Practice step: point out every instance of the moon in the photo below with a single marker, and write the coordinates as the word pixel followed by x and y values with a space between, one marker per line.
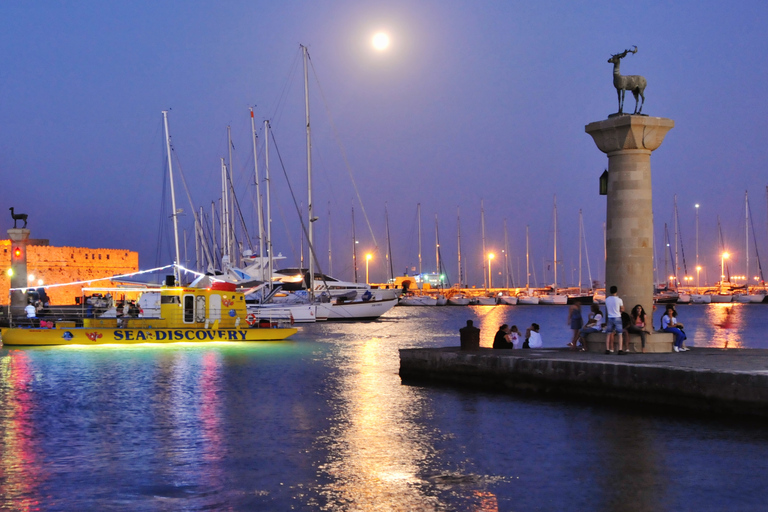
pixel 380 41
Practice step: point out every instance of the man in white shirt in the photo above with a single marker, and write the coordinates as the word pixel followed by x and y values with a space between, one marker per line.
pixel 614 306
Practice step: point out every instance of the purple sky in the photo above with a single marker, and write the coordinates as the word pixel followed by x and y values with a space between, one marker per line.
pixel 473 101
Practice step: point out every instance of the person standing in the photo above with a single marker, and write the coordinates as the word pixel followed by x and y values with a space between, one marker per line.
pixel 576 322
pixel 614 306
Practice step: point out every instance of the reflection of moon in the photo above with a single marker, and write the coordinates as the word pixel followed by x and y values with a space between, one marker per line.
pixel 381 41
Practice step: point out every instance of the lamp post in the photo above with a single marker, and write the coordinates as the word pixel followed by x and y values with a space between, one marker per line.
pixel 367 259
pixel 698 271
pixel 490 257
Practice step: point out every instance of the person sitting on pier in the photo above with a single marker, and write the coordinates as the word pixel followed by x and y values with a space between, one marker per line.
pixel 515 337
pixel 502 340
pixel 669 323
pixel 594 324
pixel 637 324
pixel 30 310
pixel 469 337
pixel 532 337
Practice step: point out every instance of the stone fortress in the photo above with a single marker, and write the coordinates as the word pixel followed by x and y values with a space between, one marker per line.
pixel 56 265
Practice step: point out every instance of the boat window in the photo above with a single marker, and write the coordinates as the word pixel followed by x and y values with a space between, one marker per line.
pixel 170 299
pixel 200 308
pixel 189 309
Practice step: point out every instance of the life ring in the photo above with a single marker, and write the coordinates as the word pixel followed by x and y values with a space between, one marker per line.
pixel 251 319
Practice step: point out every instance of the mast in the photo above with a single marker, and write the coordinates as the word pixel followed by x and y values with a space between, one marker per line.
pixel 527 261
pixel 269 205
pixel 391 276
pixel 746 236
pixel 310 237
pixel 554 262
pixel 231 216
pixel 677 245
pixel 224 211
pixel 482 229
pixel 506 255
pixel 581 236
pixel 698 270
pixel 258 196
pixel 176 272
pixel 418 217
pixel 354 244
pixel 462 277
pixel 437 251
pixel 330 260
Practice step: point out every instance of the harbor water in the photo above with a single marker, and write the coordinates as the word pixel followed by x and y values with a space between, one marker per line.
pixel 323 422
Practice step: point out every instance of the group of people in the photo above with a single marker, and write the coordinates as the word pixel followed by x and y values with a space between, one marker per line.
pixel 618 321
pixel 615 323
pixel 509 337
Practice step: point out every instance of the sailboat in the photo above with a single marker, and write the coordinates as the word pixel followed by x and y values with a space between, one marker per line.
pixel 459 299
pixel 554 297
pixel 421 299
pixel 484 300
pixel 747 297
pixel 528 297
pixel 509 300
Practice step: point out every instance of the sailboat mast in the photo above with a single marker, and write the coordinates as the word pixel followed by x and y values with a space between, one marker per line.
pixel 506 256
pixel 527 261
pixel 418 221
pixel 231 217
pixel 224 210
pixel 312 219
pixel 482 230
pixel 746 236
pixel 554 262
pixel 330 260
pixel 462 277
pixel 677 246
pixel 260 216
pixel 581 237
pixel 354 244
pixel 437 250
pixel 269 204
pixel 391 275
pixel 176 272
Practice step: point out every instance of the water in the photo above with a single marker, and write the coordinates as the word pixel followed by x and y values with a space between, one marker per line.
pixel 322 422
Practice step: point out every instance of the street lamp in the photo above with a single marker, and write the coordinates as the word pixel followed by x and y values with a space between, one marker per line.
pixel 490 257
pixel 367 259
pixel 698 271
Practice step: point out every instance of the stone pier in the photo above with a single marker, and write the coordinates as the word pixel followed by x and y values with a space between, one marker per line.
pixel 628 140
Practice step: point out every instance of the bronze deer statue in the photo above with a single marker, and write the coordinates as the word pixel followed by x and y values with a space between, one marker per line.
pixel 634 83
pixel 18 216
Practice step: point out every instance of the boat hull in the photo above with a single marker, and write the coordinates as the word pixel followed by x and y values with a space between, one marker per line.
pixel 509 300
pixel 721 299
pixel 553 299
pixel 697 298
pixel 419 300
pixel 130 336
pixel 458 301
pixel 362 310
pixel 527 300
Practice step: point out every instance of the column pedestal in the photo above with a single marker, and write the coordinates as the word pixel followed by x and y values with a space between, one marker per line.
pixel 628 141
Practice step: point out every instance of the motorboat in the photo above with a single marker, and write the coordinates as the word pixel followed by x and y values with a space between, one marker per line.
pixel 172 314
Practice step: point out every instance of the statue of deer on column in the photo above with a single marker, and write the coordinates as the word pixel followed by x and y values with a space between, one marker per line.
pixel 634 83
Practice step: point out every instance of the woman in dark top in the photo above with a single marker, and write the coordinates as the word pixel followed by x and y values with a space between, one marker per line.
pixel 501 340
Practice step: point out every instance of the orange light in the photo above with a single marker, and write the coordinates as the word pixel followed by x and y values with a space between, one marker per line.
pixel 17 252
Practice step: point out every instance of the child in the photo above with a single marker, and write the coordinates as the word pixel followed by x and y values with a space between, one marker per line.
pixel 514 336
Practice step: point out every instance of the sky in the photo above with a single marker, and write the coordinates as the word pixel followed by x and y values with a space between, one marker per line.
pixel 473 102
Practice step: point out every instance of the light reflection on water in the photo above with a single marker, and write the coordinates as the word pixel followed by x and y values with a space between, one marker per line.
pixel 323 422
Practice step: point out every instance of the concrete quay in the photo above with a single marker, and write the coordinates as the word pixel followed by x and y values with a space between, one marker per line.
pixel 710 380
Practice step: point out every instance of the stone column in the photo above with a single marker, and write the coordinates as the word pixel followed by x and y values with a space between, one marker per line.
pixel 628 140
pixel 19 238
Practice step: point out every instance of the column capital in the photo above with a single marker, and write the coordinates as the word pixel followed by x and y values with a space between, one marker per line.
pixel 629 132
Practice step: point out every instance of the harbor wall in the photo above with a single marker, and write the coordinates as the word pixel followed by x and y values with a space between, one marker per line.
pixel 706 388
pixel 66 264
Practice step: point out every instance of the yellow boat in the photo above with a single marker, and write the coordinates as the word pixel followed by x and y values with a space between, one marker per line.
pixel 184 315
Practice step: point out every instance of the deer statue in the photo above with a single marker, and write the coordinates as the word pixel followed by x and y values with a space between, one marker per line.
pixel 634 83
pixel 18 216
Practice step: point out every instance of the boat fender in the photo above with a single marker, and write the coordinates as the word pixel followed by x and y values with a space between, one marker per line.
pixel 251 319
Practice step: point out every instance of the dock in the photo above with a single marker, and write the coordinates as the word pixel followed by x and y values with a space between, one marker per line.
pixel 707 380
